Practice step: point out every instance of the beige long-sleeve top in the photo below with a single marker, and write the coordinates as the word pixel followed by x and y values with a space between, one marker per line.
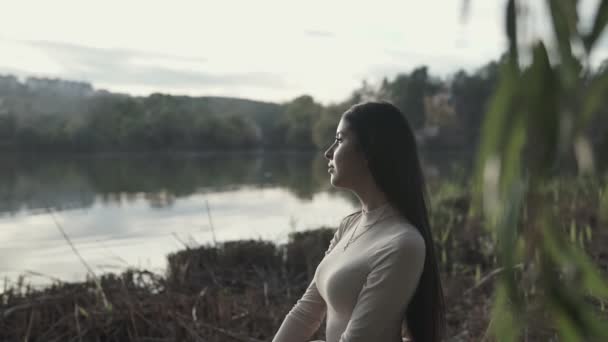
pixel 363 290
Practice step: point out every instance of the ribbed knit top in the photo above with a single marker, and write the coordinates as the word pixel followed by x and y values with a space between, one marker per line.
pixel 364 289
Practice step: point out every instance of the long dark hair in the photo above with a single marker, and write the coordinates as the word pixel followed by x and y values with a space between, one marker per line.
pixel 388 143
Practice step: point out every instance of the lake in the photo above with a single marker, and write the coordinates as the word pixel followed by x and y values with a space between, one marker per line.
pixel 122 211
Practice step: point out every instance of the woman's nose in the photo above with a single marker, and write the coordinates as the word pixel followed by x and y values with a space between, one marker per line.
pixel 329 153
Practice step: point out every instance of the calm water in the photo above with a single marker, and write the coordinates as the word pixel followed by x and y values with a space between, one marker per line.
pixel 126 211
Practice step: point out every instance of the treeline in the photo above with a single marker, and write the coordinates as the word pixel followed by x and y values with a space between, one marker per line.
pixel 40 115
pixel 55 115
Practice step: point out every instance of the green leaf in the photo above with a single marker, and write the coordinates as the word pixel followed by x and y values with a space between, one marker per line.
pixel 568 8
pixel 566 327
pixel 541 87
pixel 512 28
pixel 511 166
pixel 507 239
pixel 601 19
pixel 493 127
pixel 561 26
pixel 593 281
pixel 576 319
pixel 563 13
pixel 595 97
pixel 572 232
pixel 504 325
pixel 588 233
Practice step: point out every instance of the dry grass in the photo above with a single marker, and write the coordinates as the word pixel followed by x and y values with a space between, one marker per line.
pixel 241 291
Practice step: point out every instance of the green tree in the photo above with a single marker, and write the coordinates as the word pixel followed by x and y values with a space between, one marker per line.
pixel 111 121
pixel 408 91
pixel 8 126
pixel 324 129
pixel 299 117
pixel 470 94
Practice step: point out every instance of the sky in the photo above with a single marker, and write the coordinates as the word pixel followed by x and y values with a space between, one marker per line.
pixel 262 50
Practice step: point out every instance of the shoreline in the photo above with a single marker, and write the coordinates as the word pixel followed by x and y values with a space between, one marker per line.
pixel 241 290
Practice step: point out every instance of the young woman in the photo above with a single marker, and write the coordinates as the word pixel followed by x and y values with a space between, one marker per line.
pixel 380 270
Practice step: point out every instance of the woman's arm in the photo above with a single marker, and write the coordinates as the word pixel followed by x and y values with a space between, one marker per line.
pixel 306 316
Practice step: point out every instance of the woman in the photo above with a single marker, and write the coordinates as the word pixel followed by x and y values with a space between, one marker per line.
pixel 380 269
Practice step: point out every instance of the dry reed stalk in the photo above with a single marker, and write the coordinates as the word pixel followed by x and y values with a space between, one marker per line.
pixel 86 265
pixel 211 223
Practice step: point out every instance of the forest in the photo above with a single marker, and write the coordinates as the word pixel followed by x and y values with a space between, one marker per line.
pixel 52 115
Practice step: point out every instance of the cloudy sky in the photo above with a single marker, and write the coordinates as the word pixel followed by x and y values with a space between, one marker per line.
pixel 264 50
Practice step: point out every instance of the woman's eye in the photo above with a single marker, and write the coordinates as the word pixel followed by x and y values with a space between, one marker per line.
pixel 339 140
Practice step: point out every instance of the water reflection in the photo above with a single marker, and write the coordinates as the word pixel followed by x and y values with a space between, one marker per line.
pixel 35 183
pixel 138 232
pixel 66 182
pixel 133 210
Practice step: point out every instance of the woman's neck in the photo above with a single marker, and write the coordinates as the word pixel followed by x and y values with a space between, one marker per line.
pixel 370 196
pixel 372 200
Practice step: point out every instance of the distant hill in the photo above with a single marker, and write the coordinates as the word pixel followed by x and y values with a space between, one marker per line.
pixel 44 112
pixel 55 96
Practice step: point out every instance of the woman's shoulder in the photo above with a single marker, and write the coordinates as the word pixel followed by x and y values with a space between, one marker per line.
pixel 348 221
pixel 352 216
pixel 345 224
pixel 401 246
pixel 400 234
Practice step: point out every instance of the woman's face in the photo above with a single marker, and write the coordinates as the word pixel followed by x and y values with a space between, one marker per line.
pixel 347 165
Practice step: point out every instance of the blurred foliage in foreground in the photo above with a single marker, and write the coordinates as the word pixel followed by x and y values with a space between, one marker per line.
pixel 546 99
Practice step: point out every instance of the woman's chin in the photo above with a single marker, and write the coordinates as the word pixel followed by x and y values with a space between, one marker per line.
pixel 332 180
pixel 335 181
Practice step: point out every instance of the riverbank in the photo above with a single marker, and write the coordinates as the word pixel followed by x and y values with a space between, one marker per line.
pixel 241 290
pixel 238 291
